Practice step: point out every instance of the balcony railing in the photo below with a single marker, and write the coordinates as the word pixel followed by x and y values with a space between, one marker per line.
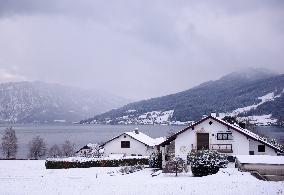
pixel 223 148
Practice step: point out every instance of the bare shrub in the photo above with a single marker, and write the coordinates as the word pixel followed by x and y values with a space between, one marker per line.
pixel 54 151
pixel 37 148
pixel 9 143
pixel 68 149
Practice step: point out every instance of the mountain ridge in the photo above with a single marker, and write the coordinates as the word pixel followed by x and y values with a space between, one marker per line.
pixel 222 95
pixel 40 102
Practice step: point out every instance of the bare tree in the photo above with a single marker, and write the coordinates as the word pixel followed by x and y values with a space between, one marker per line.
pixel 37 148
pixel 54 151
pixel 9 143
pixel 68 149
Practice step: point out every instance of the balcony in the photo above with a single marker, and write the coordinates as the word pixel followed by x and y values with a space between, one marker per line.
pixel 222 148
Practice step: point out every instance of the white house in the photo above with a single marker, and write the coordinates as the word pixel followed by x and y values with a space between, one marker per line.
pixel 214 133
pixel 133 143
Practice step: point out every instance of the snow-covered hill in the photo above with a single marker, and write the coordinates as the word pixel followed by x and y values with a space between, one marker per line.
pixel 266 98
pixel 28 102
pixel 148 118
pixel 248 93
pixel 265 119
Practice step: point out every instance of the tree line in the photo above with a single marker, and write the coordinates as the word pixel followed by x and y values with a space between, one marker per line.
pixel 37 147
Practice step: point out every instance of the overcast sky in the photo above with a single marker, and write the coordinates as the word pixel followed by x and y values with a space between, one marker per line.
pixel 138 49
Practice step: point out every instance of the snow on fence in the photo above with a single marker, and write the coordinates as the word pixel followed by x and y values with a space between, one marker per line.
pixel 73 162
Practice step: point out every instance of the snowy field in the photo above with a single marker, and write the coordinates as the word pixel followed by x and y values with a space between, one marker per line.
pixel 31 177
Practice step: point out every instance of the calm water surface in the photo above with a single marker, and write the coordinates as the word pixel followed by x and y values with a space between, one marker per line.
pixel 80 134
pixel 84 134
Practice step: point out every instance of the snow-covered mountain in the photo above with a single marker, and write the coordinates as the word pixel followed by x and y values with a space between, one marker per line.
pixel 28 102
pixel 251 92
pixel 148 118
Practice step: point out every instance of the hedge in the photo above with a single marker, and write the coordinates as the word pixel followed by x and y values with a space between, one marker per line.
pixel 57 164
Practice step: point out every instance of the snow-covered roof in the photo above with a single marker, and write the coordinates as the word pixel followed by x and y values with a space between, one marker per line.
pixel 261 159
pixel 159 140
pixel 232 126
pixel 89 146
pixel 248 133
pixel 141 137
pixel 145 138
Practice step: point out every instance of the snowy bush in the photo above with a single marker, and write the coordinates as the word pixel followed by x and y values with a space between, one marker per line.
pixel 130 169
pixel 206 162
pixel 155 160
pixel 176 165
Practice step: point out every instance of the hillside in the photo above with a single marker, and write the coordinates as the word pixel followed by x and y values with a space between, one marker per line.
pixel 29 102
pixel 233 91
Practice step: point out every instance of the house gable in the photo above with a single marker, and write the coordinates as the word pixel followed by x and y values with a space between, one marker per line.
pixel 233 142
pixel 116 146
pixel 212 120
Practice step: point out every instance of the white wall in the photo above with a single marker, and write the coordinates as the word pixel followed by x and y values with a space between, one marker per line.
pixel 136 147
pixel 253 146
pixel 187 141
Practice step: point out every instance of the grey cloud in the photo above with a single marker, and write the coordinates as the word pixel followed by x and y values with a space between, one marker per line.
pixel 138 49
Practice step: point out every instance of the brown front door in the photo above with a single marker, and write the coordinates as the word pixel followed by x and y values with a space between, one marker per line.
pixel 202 141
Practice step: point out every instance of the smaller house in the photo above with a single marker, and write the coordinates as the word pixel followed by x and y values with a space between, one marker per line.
pixel 134 143
pixel 90 150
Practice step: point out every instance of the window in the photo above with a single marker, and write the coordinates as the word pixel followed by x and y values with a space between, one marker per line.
pixel 224 136
pixel 261 148
pixel 251 152
pixel 125 144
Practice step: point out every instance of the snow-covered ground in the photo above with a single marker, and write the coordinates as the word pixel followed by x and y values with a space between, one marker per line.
pixel 31 177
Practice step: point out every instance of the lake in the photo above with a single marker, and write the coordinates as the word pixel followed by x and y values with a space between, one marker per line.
pixel 84 134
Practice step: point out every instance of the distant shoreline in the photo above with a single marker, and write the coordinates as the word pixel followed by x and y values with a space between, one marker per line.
pixel 86 124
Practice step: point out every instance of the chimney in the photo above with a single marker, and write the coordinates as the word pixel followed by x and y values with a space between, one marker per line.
pixel 136 131
pixel 214 114
pixel 204 116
